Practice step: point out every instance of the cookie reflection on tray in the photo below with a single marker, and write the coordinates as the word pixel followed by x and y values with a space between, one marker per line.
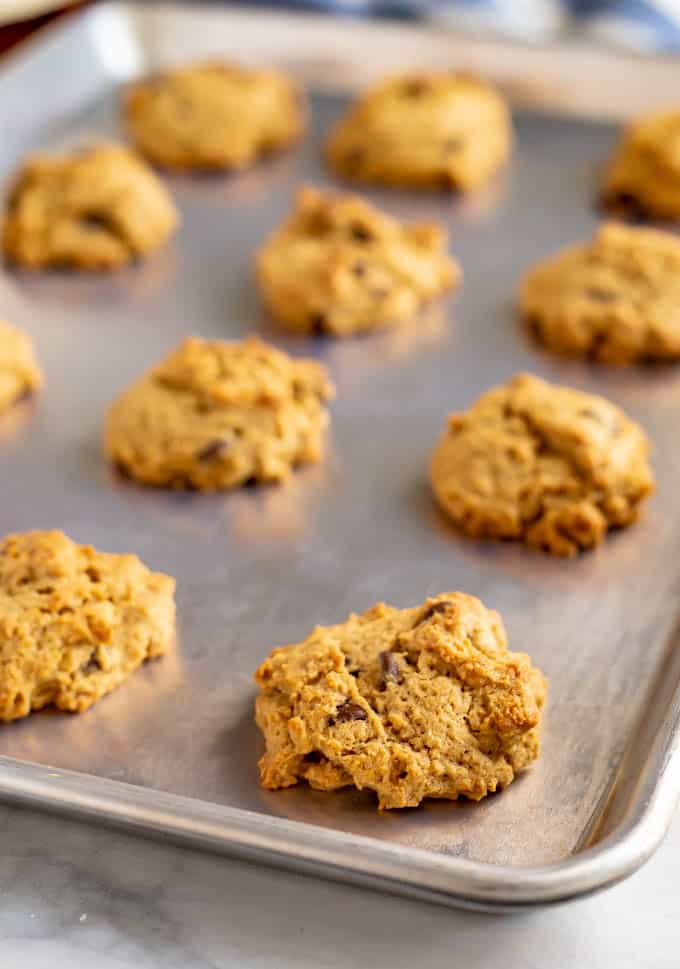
pixel 116 724
pixel 16 418
pixel 352 362
pixel 281 512
pixel 131 286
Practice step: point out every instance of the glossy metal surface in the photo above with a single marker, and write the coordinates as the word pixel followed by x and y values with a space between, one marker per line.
pixel 174 751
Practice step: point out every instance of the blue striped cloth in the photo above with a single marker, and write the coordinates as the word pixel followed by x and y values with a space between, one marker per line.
pixel 648 25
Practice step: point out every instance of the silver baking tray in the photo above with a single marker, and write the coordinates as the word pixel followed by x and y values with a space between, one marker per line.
pixel 173 753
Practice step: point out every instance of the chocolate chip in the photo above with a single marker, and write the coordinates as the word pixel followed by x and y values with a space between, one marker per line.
pixel 415 88
pixel 122 470
pixel 626 205
pixel 317 323
pixel 447 182
pixel 24 395
pixel 360 233
pixel 213 449
pixel 597 344
pixel 14 198
pixel 601 295
pixel 92 665
pixel 359 269
pixel 432 610
pixel 347 712
pixel 535 324
pixel 452 144
pixel 96 220
pixel 389 667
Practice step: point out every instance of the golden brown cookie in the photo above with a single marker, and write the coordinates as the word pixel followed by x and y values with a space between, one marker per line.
pixel 96 208
pixel 340 266
pixel 214 116
pixel 553 467
pixel 446 131
pixel 614 299
pixel 20 375
pixel 74 622
pixel 216 415
pixel 643 178
pixel 409 703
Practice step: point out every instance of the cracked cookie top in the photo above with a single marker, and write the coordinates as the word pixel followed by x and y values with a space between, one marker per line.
pixel 409 703
pixel 216 415
pixel 614 299
pixel 550 466
pixel 427 130
pixel 340 266
pixel 213 115
pixel 74 622
pixel 95 208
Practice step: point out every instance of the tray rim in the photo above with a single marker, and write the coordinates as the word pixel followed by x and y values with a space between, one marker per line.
pixel 306 847
pixel 393 867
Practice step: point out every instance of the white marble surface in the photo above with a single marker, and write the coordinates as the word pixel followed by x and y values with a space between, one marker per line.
pixel 72 895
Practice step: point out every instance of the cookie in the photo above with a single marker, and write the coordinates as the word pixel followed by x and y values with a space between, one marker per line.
pixel 549 466
pixel 96 208
pixel 216 415
pixel 440 131
pixel 74 622
pixel 213 116
pixel 19 372
pixel 339 266
pixel 643 178
pixel 409 703
pixel 613 299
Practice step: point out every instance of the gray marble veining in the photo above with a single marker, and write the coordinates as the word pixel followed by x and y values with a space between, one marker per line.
pixel 76 896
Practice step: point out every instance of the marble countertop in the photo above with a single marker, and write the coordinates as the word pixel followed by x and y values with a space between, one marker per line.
pixel 73 895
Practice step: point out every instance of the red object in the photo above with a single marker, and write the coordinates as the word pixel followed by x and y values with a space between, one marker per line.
pixel 13 34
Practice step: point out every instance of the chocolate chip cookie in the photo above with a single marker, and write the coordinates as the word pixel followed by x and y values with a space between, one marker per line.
pixel 643 178
pixel 20 375
pixel 549 466
pixel 216 415
pixel 213 116
pixel 339 266
pixel 442 131
pixel 74 622
pixel 613 299
pixel 409 703
pixel 96 208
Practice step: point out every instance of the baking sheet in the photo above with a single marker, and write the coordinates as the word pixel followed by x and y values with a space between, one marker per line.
pixel 260 567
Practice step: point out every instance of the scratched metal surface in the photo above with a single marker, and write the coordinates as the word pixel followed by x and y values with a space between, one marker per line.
pixel 258 568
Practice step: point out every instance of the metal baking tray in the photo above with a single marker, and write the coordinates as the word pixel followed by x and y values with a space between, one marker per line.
pixel 174 751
